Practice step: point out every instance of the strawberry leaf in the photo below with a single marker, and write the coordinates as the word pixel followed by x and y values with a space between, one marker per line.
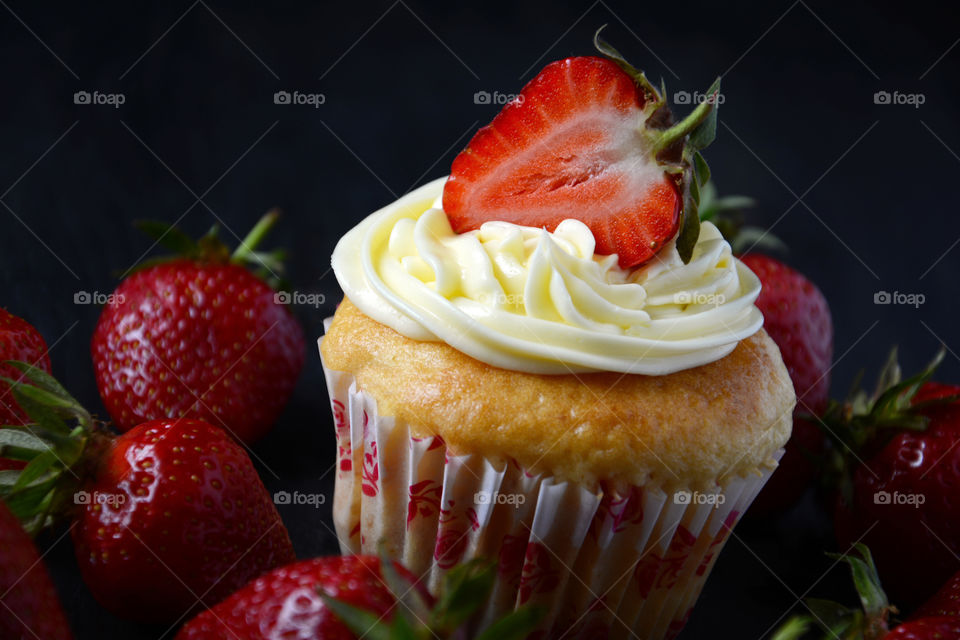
pixel 464 588
pixel 794 628
pixel 40 378
pixel 410 599
pixel 703 171
pixel 34 470
pixel 169 236
pixel 653 98
pixel 515 625
pixel 706 130
pixel 17 439
pixel 363 623
pixel 33 399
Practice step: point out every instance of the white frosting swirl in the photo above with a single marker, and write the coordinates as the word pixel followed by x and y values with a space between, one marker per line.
pixel 524 299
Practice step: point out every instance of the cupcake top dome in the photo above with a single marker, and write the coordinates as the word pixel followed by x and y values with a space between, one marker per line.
pixel 688 429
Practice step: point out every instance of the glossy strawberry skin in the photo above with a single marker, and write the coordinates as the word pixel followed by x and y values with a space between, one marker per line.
pixel 570 146
pixel 175 513
pixel 915 547
pixel 19 340
pixel 797 317
pixel 29 607
pixel 205 341
pixel 945 602
pixel 285 603
pixel 937 628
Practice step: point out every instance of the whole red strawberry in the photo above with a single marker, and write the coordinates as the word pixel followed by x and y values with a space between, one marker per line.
pixel 345 597
pixel 199 337
pixel 796 315
pixel 169 516
pixel 18 341
pixel 592 139
pixel 899 490
pixel 286 602
pixel 180 501
pixel 29 607
pixel 873 619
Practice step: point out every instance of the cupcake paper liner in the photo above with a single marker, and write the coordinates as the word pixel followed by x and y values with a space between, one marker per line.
pixel 601 563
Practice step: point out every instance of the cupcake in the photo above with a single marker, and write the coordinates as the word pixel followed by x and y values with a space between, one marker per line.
pixel 543 359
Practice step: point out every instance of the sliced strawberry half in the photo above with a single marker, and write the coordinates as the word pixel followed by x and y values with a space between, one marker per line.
pixel 588 138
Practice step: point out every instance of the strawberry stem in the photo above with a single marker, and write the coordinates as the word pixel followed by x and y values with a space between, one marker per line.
pixel 666 138
pixel 249 244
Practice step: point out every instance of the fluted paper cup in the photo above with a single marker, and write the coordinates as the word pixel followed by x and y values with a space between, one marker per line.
pixel 602 563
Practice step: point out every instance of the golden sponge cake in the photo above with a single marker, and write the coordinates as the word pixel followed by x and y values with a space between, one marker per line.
pixel 687 429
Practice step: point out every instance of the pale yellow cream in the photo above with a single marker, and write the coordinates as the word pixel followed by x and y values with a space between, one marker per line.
pixel 524 299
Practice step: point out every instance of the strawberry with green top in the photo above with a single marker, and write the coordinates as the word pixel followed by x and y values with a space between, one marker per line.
pixel 895 462
pixel 876 618
pixel 589 138
pixel 200 336
pixel 346 597
pixel 167 516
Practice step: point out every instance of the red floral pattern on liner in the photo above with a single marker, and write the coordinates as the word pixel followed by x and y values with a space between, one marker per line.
pixel 513 549
pixel 424 500
pixel 453 533
pixel 451 543
pixel 344 447
pixel 521 469
pixel 371 472
pixel 654 572
pixel 539 576
pixel 677 625
pixel 618 512
pixel 435 441
pixel 722 534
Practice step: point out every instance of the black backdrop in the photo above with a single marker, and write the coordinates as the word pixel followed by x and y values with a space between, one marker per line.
pixel 862 192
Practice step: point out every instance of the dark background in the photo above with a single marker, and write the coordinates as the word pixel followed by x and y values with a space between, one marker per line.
pixel 863 193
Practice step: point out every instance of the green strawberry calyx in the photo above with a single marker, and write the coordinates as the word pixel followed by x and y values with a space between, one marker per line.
pixel 868 420
pixel 464 590
pixel 210 248
pixel 60 445
pixel 870 621
pixel 675 146
pixel 726 213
